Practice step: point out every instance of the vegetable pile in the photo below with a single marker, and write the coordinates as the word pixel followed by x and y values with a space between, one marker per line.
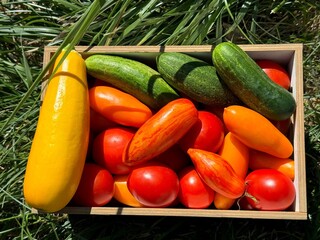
pixel 183 134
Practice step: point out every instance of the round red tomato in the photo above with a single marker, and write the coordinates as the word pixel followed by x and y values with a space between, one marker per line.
pixel 269 189
pixel 96 187
pixel 175 158
pixel 207 134
pixel 108 147
pixel 154 185
pixel 194 193
pixel 275 72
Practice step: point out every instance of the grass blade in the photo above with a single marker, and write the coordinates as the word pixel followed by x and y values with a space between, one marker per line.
pixel 71 39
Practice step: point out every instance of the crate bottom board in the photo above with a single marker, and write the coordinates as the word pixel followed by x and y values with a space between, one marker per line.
pixel 178 212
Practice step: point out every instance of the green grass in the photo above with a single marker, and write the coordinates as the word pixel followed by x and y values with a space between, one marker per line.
pixel 27 26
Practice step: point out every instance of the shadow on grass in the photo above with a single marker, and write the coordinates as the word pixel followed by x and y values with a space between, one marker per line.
pixel 141 227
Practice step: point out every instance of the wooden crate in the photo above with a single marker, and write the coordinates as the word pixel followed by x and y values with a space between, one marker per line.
pixel 287 54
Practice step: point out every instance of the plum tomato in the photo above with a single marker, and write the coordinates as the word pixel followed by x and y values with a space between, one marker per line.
pixel 269 189
pixel 194 193
pixel 96 187
pixel 206 134
pixel 175 158
pixel 108 147
pixel 275 72
pixel 154 184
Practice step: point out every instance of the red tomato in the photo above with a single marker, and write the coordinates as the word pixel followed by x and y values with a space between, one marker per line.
pixel 218 111
pixel 194 193
pixel 96 187
pixel 154 185
pixel 270 190
pixel 207 134
pixel 275 72
pixel 108 147
pixel 175 158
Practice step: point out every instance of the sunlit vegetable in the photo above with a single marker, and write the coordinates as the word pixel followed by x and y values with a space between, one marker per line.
pixel 217 173
pixel 164 129
pixel 256 131
pixel 60 143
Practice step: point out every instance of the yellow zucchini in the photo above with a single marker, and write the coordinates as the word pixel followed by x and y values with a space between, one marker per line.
pixel 59 147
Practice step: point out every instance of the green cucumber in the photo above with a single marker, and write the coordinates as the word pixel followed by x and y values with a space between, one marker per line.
pixel 250 84
pixel 133 77
pixel 195 78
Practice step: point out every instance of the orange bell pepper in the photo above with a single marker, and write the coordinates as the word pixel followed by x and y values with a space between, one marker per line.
pixel 256 131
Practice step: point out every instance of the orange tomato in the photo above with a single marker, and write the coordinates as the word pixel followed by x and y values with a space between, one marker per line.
pixel 237 155
pixel 256 131
pixel 260 160
pixel 118 106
